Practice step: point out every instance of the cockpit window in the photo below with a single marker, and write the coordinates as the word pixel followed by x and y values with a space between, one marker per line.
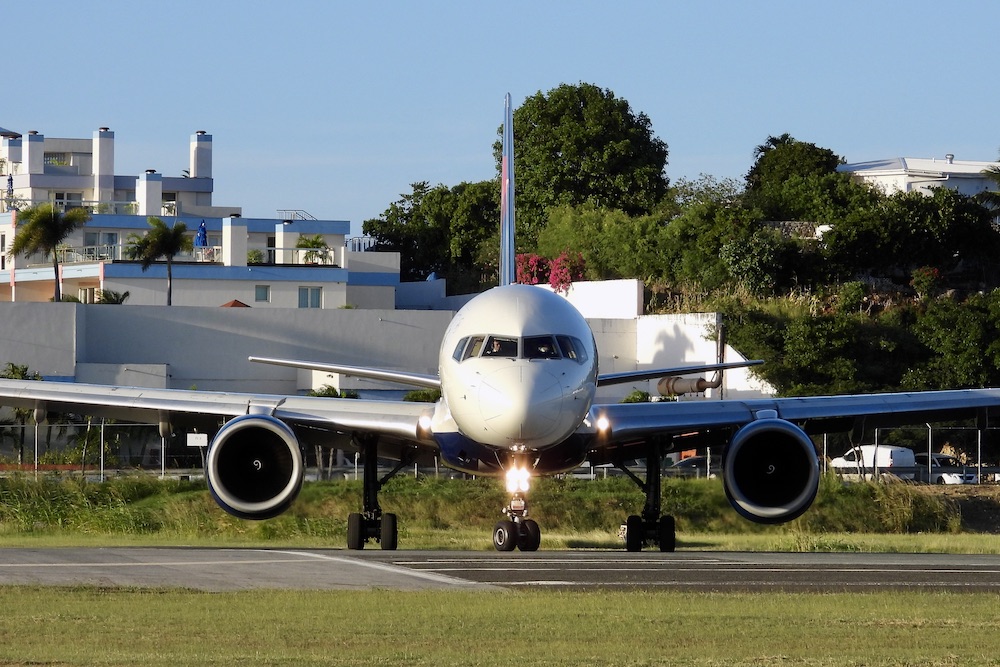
pixel 572 348
pixel 540 347
pixel 500 346
pixel 531 347
pixel 474 347
pixel 459 352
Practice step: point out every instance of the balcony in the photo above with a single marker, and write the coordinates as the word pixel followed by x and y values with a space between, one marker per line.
pixel 328 257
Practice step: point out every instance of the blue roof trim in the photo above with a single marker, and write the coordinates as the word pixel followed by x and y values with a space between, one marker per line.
pixel 366 279
pixel 263 272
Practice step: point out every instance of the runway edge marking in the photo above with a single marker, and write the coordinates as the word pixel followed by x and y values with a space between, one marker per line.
pixel 393 569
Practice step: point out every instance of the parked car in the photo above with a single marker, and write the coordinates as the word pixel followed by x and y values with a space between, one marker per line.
pixel 695 466
pixel 863 460
pixel 943 469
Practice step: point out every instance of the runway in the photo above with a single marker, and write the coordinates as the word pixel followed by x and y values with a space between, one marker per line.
pixel 327 569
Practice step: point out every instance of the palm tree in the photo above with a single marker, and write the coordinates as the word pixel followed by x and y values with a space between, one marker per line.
pixel 14 371
pixel 111 296
pixel 319 251
pixel 41 229
pixel 160 241
pixel 991 198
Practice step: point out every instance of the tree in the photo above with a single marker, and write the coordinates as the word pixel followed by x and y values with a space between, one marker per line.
pixel 41 229
pixel 793 180
pixel 441 230
pixel 991 198
pixel 580 144
pixel 317 251
pixel 112 297
pixel 160 241
pixel 14 371
pixel 896 234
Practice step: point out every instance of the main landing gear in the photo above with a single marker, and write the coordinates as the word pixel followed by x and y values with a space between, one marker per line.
pixel 372 523
pixel 650 528
pixel 517 531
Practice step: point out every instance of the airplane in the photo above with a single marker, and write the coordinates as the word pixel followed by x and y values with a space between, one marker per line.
pixel 518 374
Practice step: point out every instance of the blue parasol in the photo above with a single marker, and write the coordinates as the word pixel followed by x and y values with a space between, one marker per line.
pixel 201 238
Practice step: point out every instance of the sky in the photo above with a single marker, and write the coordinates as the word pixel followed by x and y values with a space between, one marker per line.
pixel 335 108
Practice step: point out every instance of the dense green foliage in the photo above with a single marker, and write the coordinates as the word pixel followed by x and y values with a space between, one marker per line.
pixel 579 145
pixel 838 286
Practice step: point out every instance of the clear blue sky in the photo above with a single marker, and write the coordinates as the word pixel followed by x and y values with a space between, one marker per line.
pixel 336 107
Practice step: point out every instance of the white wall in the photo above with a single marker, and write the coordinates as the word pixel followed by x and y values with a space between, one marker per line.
pixel 183 347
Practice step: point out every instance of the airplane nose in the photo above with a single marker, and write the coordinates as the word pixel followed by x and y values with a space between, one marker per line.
pixel 521 403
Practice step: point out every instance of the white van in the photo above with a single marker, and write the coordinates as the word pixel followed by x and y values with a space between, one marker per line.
pixel 862 460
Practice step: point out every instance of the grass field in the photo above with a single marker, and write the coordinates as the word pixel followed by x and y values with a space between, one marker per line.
pixel 100 626
pixel 87 626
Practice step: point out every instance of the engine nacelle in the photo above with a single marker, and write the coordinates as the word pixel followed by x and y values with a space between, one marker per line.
pixel 254 467
pixel 770 471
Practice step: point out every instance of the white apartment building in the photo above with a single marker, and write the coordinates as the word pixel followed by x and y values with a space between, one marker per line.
pixel 248 261
pixel 908 174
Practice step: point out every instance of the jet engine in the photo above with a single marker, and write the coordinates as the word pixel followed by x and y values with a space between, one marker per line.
pixel 254 467
pixel 770 471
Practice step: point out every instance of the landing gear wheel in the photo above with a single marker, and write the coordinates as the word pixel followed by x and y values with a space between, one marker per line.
pixel 355 531
pixel 530 535
pixel 667 533
pixel 390 535
pixel 634 534
pixel 505 536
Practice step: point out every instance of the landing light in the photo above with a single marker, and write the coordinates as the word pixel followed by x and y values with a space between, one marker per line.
pixel 517 479
pixel 424 423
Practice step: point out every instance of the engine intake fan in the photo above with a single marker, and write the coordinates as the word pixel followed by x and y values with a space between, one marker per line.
pixel 254 467
pixel 770 471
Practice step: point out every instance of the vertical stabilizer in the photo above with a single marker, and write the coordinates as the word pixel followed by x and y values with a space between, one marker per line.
pixel 507 271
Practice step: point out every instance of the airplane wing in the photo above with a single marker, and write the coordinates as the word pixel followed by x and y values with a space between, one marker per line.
pixel 814 414
pixel 653 374
pixel 415 379
pixel 139 404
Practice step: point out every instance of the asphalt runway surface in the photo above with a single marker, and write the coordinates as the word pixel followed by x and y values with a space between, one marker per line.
pixel 212 569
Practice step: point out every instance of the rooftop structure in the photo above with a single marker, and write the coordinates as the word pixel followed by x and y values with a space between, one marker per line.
pixel 257 261
pixel 907 174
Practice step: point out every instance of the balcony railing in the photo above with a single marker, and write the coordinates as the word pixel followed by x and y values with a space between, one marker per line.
pixel 109 253
pixel 329 257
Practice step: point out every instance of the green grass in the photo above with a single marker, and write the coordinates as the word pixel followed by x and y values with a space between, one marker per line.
pixel 95 626
pixel 152 627
pixel 458 514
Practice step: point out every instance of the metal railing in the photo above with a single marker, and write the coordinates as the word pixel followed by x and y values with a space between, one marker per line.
pixel 90 254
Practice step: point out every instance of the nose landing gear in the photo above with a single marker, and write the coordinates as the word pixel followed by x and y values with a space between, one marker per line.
pixel 517 531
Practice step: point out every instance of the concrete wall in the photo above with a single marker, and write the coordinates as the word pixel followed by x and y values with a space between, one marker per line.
pixel 44 336
pixel 207 348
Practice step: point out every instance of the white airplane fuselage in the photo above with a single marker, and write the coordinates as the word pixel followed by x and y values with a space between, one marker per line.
pixel 518 368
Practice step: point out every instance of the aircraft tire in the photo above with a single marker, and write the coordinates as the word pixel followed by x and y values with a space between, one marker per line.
pixel 505 536
pixel 390 534
pixel 355 531
pixel 634 534
pixel 530 536
pixel 667 533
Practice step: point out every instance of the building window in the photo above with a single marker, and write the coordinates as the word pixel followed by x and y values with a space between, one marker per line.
pixel 67 200
pixel 262 294
pixel 310 297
